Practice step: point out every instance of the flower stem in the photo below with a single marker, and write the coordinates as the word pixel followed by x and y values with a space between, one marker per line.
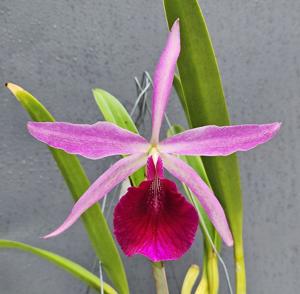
pixel 240 274
pixel 160 278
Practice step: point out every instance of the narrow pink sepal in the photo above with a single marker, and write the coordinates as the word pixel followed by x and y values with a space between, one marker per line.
pixel 103 185
pixel 208 200
pixel 163 79
pixel 92 141
pixel 155 220
pixel 219 141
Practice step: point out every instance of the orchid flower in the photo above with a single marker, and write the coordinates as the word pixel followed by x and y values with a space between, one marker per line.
pixel 153 219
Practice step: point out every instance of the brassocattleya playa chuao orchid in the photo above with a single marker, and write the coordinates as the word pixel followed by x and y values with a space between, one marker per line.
pixel 153 219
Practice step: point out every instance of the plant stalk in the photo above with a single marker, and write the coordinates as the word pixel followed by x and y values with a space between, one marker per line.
pixel 240 271
pixel 160 278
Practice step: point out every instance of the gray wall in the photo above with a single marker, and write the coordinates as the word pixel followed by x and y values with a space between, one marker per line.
pixel 60 50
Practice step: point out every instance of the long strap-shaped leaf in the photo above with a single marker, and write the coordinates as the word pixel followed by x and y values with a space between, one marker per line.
pixel 77 181
pixel 204 105
pixel 66 264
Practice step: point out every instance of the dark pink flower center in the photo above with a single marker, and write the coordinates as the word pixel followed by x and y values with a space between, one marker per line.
pixel 155 196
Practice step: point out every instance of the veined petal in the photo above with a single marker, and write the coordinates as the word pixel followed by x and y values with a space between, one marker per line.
pixel 219 141
pixel 163 79
pixel 208 200
pixel 92 141
pixel 103 185
pixel 155 220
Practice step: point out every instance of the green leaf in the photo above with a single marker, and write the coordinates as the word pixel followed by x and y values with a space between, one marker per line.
pixel 66 264
pixel 113 111
pixel 94 221
pixel 180 93
pixel 205 105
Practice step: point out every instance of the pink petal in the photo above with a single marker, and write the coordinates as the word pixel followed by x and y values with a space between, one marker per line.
pixel 154 170
pixel 103 185
pixel 208 200
pixel 219 141
pixel 92 141
pixel 163 79
pixel 155 220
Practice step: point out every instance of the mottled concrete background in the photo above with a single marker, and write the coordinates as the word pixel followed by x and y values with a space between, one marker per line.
pixel 60 50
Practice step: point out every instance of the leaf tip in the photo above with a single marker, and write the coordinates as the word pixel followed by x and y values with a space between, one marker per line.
pixel 97 92
pixel 14 88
